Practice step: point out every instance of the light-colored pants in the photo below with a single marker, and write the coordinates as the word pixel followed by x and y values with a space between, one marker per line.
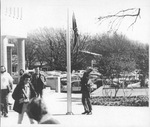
pixel 20 117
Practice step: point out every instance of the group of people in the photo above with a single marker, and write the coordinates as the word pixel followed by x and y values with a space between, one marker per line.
pixel 29 92
pixel 27 96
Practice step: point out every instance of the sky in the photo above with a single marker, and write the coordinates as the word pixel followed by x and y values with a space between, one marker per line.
pixel 53 13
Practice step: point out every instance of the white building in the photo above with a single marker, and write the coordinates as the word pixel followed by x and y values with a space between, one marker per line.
pixel 12 26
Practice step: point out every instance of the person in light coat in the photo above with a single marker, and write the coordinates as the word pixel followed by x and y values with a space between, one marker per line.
pixel 6 88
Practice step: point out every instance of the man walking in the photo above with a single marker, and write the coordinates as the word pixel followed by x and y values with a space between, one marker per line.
pixel 38 81
pixel 85 89
pixel 6 87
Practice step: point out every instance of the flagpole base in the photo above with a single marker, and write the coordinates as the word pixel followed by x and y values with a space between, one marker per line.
pixel 69 113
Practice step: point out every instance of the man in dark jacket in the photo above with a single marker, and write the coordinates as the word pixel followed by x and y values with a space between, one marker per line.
pixel 85 89
pixel 21 72
pixel 23 92
pixel 38 81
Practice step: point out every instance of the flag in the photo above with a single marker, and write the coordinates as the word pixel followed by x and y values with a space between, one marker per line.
pixel 75 31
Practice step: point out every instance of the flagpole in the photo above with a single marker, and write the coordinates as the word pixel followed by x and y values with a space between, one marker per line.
pixel 69 105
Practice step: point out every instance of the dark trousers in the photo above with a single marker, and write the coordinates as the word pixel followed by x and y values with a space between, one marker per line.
pixel 40 93
pixel 4 101
pixel 86 101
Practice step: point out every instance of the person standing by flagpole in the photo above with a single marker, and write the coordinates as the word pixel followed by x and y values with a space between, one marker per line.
pixel 85 89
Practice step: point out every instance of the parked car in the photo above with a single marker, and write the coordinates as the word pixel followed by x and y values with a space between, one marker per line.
pixel 80 73
pixel 30 71
pixel 98 82
pixel 134 85
pixel 52 73
pixel 95 75
pixel 93 87
pixel 75 86
pixel 147 82
pixel 75 83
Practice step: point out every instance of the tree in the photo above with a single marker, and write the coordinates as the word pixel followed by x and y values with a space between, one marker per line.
pixel 142 61
pixel 116 57
pixel 142 58
pixel 30 52
pixel 51 47
pixel 14 49
pixel 115 20
pixel 116 53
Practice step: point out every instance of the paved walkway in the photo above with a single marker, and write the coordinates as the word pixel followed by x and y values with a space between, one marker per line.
pixel 101 117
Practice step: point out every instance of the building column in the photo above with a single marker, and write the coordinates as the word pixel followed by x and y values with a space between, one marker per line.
pixel 21 54
pixel 9 59
pixel 4 51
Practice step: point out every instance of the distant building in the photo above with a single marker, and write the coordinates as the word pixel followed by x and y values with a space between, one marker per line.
pixel 44 66
pixel 91 58
pixel 12 27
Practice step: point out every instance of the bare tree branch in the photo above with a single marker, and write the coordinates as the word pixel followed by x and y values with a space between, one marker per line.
pixel 116 19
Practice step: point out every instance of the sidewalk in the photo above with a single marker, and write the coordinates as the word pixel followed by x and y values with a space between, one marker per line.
pixel 101 117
